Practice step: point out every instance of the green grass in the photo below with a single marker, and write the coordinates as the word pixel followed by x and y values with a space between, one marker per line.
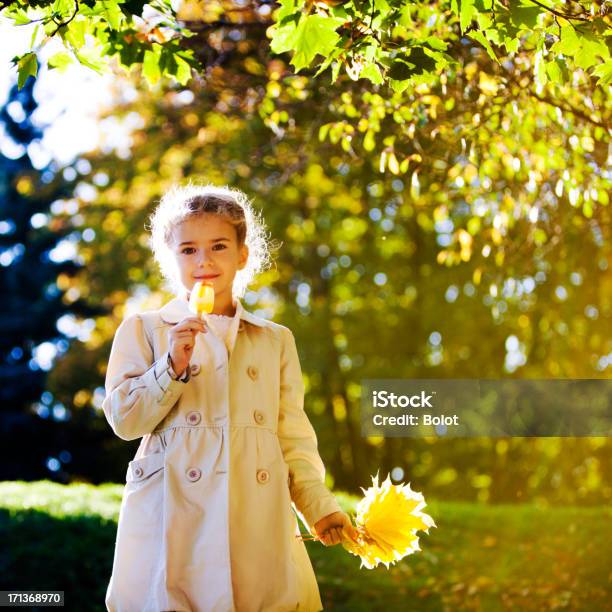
pixel 478 558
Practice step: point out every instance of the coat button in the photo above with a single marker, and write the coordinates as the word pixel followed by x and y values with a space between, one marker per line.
pixel 193 474
pixel 138 472
pixel 195 369
pixel 259 417
pixel 252 372
pixel 193 418
pixel 263 476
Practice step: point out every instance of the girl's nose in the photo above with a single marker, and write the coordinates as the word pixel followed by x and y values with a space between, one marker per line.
pixel 205 259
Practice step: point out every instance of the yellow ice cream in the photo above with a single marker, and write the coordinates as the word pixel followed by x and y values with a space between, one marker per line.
pixel 202 298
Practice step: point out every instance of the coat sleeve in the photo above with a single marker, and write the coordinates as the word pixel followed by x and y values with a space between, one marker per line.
pixel 139 391
pixel 298 441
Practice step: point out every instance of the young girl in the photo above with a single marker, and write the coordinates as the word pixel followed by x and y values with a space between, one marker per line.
pixel 227 452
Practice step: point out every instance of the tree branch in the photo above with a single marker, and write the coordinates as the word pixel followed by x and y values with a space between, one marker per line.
pixel 564 107
pixel 65 23
pixel 557 13
pixel 569 109
pixel 200 26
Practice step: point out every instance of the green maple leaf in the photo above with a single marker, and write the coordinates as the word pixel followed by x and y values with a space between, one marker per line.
pixel 604 72
pixel 314 34
pixel 27 66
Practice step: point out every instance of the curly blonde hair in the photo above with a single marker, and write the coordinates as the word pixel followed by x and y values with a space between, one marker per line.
pixel 181 203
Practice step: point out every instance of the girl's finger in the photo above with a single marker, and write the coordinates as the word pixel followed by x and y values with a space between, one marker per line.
pixel 185 338
pixel 190 326
pixel 194 329
pixel 350 533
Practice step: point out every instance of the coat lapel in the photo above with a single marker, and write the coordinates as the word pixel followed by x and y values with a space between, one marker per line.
pixel 178 308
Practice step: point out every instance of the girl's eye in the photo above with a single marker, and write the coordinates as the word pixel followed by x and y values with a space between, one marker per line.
pixel 222 247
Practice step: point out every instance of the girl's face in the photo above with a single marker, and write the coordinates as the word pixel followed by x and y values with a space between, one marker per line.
pixel 206 248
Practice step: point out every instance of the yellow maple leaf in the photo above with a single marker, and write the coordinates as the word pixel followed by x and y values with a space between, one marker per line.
pixel 387 520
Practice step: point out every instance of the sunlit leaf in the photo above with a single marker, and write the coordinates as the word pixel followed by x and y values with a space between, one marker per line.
pixel 27 67
pixel 61 60
pixel 387 521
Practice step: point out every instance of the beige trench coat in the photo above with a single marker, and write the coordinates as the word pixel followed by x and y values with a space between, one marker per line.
pixel 207 519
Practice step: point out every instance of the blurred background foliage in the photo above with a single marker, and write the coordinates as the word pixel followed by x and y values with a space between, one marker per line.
pixel 457 229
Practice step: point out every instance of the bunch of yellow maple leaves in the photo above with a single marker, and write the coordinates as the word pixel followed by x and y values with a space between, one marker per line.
pixel 387 521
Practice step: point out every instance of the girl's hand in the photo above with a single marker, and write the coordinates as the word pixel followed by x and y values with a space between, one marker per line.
pixel 182 340
pixel 334 528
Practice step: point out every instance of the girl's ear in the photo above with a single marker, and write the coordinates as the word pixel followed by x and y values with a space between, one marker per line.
pixel 244 255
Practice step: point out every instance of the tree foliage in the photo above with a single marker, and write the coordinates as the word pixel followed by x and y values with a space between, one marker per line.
pixel 383 41
pixel 481 261
pixel 449 223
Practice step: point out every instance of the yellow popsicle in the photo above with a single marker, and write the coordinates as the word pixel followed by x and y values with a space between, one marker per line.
pixel 202 298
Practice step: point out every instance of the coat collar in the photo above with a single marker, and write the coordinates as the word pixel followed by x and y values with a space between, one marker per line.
pixel 178 308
